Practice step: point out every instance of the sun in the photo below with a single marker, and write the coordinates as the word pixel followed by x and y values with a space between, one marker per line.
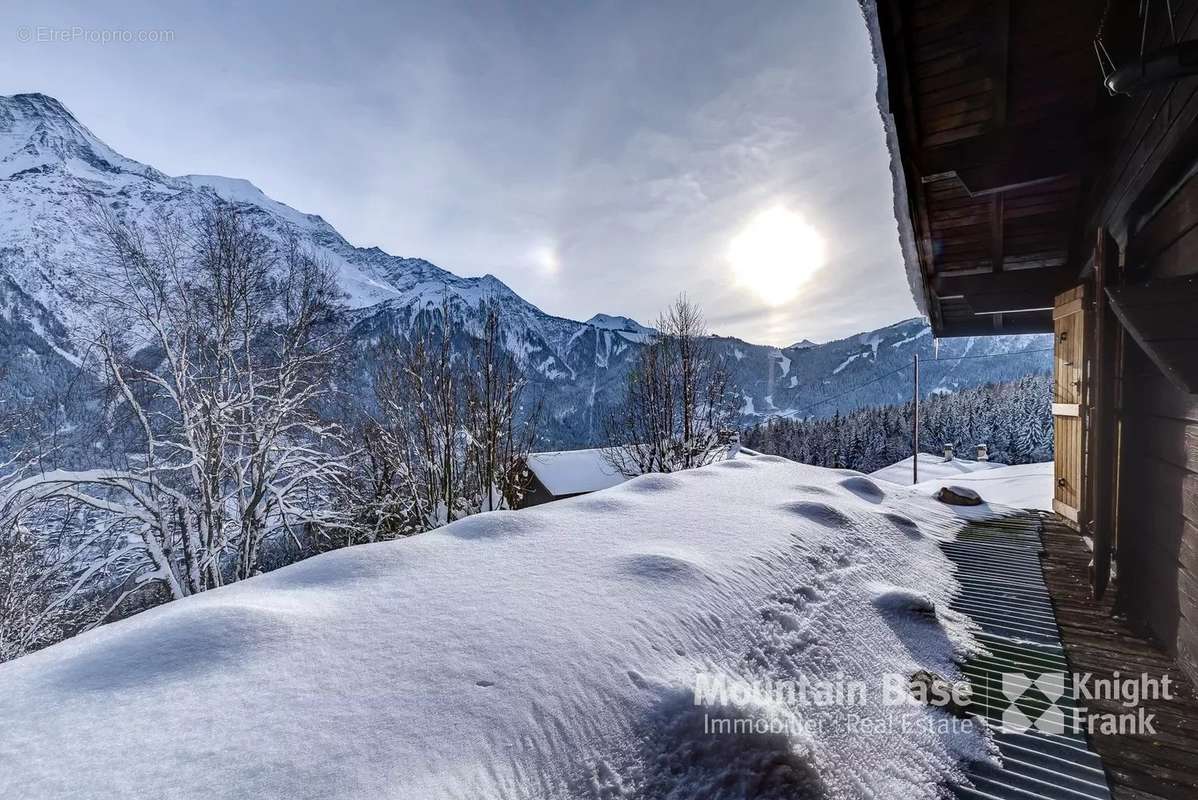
pixel 775 254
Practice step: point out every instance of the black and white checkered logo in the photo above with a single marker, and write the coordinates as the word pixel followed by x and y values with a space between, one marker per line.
pixel 1034 703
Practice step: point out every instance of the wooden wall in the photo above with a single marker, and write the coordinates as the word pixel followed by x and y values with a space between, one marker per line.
pixel 1145 147
pixel 1158 520
pixel 1140 142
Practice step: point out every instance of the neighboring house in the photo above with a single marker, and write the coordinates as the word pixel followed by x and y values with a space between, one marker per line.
pixel 568 473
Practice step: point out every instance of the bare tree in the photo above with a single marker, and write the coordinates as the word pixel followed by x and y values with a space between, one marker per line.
pixel 417 435
pixel 451 428
pixel 502 431
pixel 39 603
pixel 28 601
pixel 677 413
pixel 216 347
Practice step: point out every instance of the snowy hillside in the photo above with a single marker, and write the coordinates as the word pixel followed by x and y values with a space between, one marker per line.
pixel 1018 486
pixel 932 467
pixel 630 329
pixel 874 369
pixel 51 165
pixel 553 652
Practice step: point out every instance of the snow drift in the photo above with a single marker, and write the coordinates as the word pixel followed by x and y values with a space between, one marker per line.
pixel 932 467
pixel 1018 486
pixel 551 652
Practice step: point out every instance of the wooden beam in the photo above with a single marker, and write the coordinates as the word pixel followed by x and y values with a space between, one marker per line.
pixel 1045 281
pixel 1103 452
pixel 1001 60
pixel 1162 317
pixel 1008 302
pixel 984 324
pixel 1013 157
pixel 997 222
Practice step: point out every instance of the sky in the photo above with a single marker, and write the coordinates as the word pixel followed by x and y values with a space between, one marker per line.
pixel 598 157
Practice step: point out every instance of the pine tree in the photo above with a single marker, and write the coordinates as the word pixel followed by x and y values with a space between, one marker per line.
pixel 1013 419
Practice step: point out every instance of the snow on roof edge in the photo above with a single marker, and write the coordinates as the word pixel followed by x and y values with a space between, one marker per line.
pixel 569 472
pixel 902 205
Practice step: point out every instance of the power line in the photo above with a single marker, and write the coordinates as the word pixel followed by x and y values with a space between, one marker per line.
pixel 990 355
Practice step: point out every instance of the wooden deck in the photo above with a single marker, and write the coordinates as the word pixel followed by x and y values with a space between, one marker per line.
pixel 1138 766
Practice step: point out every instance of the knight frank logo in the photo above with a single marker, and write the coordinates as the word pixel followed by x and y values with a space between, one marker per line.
pixel 1057 703
pixel 1036 703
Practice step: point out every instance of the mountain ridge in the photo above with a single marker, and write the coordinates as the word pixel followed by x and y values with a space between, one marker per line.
pixel 52 166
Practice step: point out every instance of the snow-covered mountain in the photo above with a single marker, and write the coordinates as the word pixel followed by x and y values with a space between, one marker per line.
pixel 874 368
pixel 628 329
pixel 51 164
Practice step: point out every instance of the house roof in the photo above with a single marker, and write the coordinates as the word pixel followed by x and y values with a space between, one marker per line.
pixel 566 472
pixel 987 109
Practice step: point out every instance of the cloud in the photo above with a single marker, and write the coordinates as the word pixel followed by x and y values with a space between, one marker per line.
pixel 596 157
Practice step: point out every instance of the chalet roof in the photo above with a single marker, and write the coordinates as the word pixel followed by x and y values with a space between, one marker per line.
pixel 987 109
pixel 902 214
pixel 567 472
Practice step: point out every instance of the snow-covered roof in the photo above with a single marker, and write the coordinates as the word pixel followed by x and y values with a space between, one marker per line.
pixel 548 652
pixel 902 207
pixel 566 472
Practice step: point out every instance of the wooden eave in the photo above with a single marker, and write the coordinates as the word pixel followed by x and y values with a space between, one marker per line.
pixel 992 103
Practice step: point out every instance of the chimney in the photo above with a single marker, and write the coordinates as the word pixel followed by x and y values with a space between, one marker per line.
pixel 948 452
pixel 983 454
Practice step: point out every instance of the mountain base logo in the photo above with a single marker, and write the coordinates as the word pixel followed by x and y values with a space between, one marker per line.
pixel 1054 702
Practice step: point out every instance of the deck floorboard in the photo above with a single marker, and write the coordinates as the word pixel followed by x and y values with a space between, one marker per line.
pixel 1139 766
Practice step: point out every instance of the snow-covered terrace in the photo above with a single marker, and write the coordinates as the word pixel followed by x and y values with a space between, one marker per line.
pixel 549 652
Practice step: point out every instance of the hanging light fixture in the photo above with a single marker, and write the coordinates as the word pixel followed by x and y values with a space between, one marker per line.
pixel 1170 63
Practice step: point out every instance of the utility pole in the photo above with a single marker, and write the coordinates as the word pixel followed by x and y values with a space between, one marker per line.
pixel 915 425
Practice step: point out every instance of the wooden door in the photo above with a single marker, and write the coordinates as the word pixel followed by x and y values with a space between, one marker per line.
pixel 1068 402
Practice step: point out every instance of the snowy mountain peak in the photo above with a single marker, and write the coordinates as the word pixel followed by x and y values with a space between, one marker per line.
pixel 609 322
pixel 52 167
pixel 49 160
pixel 241 191
pixel 32 111
pixel 38 131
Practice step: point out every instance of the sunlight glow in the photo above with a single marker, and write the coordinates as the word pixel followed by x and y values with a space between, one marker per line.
pixel 775 254
pixel 545 257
